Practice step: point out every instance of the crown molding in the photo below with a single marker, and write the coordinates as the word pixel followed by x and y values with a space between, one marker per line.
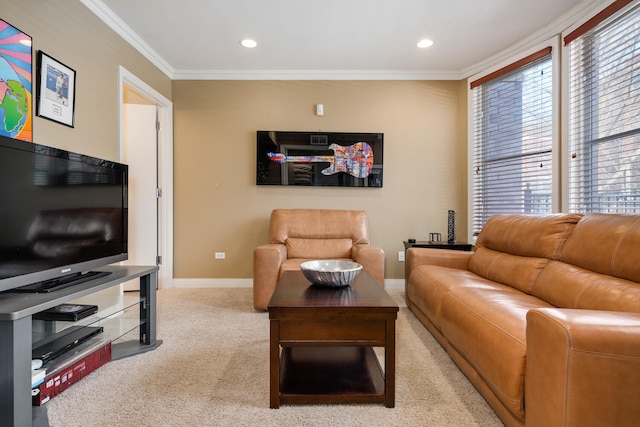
pixel 314 75
pixel 123 30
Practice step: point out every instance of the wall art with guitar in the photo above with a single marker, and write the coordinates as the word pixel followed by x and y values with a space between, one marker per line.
pixel 319 159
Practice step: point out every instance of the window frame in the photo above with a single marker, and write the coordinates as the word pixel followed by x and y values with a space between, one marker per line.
pixel 605 16
pixel 554 43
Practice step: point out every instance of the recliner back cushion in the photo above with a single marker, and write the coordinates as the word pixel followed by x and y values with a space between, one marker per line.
pixel 318 224
pixel 319 248
pixel 513 249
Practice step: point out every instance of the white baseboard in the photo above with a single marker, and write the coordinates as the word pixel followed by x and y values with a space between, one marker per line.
pixel 248 283
pixel 394 283
pixel 212 283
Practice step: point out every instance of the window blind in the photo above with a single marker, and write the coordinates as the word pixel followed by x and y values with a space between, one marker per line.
pixel 604 117
pixel 512 143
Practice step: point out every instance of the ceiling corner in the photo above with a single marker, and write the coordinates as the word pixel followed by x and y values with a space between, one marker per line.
pixel 123 30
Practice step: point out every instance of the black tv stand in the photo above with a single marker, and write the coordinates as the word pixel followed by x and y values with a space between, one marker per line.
pixel 16 328
pixel 61 282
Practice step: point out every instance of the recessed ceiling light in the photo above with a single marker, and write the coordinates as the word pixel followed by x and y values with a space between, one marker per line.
pixel 249 43
pixel 424 43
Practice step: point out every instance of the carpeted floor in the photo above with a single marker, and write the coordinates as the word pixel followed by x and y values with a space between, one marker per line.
pixel 213 370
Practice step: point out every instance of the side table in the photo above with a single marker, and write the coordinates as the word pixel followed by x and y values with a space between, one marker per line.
pixel 456 246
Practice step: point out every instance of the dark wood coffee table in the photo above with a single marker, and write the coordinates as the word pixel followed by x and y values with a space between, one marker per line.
pixel 327 337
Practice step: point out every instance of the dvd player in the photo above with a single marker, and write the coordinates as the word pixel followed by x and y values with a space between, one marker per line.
pixel 67 312
pixel 57 344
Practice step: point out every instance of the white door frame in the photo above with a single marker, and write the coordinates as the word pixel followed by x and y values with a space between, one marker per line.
pixel 165 166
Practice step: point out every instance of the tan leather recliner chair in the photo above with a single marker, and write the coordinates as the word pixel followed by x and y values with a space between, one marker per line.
pixel 299 235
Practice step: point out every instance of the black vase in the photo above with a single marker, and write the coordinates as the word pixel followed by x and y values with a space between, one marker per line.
pixel 451 227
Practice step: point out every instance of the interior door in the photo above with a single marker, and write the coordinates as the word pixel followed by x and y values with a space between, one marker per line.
pixel 140 152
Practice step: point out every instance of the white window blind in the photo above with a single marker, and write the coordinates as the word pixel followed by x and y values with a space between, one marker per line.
pixel 512 142
pixel 604 117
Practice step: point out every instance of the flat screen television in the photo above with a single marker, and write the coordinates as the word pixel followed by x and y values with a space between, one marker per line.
pixel 62 214
pixel 340 159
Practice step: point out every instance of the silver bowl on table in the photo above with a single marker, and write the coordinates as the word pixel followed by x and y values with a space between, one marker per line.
pixel 330 272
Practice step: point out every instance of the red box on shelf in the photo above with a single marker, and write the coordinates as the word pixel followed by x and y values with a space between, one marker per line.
pixel 71 371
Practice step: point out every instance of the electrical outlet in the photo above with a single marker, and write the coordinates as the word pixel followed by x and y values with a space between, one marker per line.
pixel 220 255
pixel 400 256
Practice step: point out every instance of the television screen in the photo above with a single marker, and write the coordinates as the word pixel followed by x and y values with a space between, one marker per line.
pixel 341 159
pixel 61 213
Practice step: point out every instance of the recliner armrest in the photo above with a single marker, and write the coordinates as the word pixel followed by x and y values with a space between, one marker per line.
pixel 583 367
pixel 371 258
pixel 266 272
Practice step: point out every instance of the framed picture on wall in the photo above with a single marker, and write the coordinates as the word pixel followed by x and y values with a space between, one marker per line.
pixel 339 159
pixel 15 82
pixel 56 90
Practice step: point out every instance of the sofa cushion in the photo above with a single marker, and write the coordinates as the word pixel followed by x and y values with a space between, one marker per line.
pixel 488 328
pixel 513 249
pixel 606 244
pixel 318 248
pixel 567 286
pixel 428 284
pixel 527 236
pixel 597 267
pixel 519 272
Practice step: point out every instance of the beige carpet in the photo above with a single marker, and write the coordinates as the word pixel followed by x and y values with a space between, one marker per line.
pixel 213 370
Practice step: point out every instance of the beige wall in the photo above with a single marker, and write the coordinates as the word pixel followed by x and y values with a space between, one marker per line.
pixel 218 207
pixel 69 32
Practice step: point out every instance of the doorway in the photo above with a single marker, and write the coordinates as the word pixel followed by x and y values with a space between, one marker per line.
pixel 146 144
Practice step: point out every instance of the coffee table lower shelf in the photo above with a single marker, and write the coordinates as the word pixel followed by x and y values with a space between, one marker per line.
pixel 310 374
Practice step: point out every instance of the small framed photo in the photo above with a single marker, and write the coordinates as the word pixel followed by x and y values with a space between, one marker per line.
pixel 56 90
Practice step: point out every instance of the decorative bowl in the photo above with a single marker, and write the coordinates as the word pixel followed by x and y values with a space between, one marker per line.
pixel 330 272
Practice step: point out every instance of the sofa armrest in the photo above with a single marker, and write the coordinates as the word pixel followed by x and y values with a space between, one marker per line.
pixel 582 368
pixel 442 257
pixel 266 272
pixel 371 258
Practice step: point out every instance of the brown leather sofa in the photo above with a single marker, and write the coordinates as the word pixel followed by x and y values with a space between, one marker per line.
pixel 543 318
pixel 298 235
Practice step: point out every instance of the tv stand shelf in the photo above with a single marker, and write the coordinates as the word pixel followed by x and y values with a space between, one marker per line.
pixel 16 325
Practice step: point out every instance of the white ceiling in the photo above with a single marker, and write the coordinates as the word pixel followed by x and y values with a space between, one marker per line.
pixel 333 38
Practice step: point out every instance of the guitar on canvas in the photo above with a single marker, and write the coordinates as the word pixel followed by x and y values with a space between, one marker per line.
pixel 356 159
